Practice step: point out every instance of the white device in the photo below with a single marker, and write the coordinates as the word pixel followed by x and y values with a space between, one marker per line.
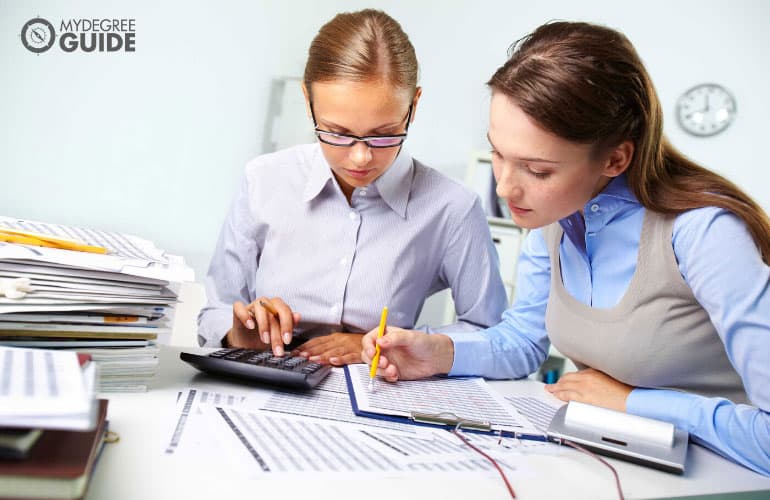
pixel 628 437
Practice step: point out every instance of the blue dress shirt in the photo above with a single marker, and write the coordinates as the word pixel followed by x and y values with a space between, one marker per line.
pixel 291 233
pixel 720 262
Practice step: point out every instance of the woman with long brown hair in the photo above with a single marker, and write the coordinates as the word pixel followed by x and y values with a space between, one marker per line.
pixel 649 271
pixel 326 234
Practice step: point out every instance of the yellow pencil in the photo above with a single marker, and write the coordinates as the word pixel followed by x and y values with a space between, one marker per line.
pixel 376 358
pixel 44 240
pixel 269 308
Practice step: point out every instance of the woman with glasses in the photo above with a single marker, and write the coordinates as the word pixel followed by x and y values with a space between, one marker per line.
pixel 649 271
pixel 322 236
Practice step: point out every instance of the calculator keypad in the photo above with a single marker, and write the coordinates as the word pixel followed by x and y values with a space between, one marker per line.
pixel 266 358
pixel 260 366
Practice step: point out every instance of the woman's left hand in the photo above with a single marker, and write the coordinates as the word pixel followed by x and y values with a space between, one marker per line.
pixel 334 349
pixel 592 387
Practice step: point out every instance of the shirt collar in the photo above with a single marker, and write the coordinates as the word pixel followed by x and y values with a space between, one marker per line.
pixel 614 197
pixel 393 186
pixel 318 176
pixel 617 188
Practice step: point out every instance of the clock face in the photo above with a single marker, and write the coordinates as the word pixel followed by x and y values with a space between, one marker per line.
pixel 705 109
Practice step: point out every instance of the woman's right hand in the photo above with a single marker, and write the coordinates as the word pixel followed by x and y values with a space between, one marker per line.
pixel 254 327
pixel 408 354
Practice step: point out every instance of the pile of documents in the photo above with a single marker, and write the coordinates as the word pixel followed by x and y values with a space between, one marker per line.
pixel 255 432
pixel 103 293
pixel 51 425
pixel 46 389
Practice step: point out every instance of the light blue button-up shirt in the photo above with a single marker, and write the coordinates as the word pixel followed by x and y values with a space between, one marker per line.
pixel 718 260
pixel 291 233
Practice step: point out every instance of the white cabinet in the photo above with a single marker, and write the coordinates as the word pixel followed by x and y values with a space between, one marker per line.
pixel 508 238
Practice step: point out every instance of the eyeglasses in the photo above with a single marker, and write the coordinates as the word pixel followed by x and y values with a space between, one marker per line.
pixel 373 141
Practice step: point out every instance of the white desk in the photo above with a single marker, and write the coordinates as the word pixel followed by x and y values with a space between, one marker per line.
pixel 136 468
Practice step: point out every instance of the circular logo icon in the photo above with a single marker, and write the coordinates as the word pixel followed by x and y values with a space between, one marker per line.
pixel 38 35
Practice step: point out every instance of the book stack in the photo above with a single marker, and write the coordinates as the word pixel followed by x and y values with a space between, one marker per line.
pixel 51 426
pixel 103 293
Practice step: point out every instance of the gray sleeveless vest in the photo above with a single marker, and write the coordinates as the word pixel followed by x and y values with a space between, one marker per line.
pixel 657 336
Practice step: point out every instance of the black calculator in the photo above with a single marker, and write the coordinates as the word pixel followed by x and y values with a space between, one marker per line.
pixel 260 366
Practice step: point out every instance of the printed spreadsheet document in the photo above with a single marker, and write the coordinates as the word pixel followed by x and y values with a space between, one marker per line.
pixel 468 399
pixel 263 431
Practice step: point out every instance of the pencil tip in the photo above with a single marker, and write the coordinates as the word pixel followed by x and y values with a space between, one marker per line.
pixel 371 385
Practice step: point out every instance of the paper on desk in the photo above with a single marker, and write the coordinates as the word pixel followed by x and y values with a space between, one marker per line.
pixel 329 400
pixel 465 398
pixel 191 399
pixel 121 245
pixel 233 435
pixel 62 298
pixel 257 443
pixel 188 404
pixel 84 318
pixel 123 289
pixel 108 307
pixel 76 281
pixel 78 344
pixel 6 326
pixel 45 389
pixel 59 272
pixel 334 382
pixel 538 408
pixel 173 270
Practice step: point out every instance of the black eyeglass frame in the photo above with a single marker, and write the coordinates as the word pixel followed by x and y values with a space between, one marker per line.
pixel 365 139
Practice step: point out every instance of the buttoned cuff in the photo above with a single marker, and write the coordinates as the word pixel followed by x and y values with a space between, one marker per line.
pixel 471 353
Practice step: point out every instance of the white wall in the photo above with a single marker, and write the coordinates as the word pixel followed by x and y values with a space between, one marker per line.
pixel 153 142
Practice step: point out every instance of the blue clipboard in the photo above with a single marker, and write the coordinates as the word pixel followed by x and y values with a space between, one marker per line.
pixel 666 459
pixel 446 420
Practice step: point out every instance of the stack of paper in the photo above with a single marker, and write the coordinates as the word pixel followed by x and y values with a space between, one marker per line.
pixel 116 305
pixel 51 424
pixel 46 389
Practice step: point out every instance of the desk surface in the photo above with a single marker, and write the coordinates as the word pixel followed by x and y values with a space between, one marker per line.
pixel 136 467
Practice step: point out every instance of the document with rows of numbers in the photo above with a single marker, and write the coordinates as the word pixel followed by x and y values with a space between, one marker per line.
pixel 460 400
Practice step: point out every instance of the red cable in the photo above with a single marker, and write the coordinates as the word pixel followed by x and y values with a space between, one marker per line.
pixel 492 460
pixel 563 441
pixel 597 457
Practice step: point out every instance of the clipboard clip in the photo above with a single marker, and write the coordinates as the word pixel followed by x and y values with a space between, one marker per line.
pixel 447 418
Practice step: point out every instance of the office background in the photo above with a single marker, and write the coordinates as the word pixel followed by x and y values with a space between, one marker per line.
pixel 154 142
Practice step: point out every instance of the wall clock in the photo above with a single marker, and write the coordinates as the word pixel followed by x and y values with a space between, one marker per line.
pixel 706 109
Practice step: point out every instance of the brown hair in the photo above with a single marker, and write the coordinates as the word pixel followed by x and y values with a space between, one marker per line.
pixel 587 84
pixel 362 46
